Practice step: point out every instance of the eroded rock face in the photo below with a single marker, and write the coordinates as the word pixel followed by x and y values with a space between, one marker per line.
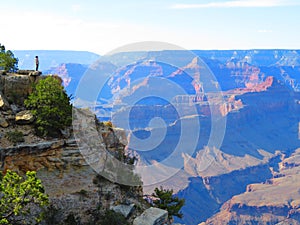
pixel 16 87
pixel 3 102
pixel 72 184
pixel 25 72
pixel 275 201
pixel 75 187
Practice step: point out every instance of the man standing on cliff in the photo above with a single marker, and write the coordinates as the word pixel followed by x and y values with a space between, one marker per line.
pixel 37 63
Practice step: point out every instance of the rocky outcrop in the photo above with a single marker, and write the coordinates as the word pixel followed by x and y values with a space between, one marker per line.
pixel 35 73
pixel 24 117
pixel 152 216
pixel 16 87
pixel 72 184
pixel 75 188
pixel 125 210
pixel 25 72
pixel 29 72
pixel 3 102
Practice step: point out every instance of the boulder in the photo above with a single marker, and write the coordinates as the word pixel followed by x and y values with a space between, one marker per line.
pixel 125 210
pixel 24 117
pixel 152 216
pixel 3 102
pixel 25 72
pixel 3 122
pixel 35 73
pixel 14 108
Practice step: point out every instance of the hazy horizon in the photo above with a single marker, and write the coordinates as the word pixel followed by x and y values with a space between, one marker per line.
pixel 100 26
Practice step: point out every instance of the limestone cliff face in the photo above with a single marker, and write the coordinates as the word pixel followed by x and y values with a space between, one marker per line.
pixel 75 189
pixel 73 186
pixel 16 87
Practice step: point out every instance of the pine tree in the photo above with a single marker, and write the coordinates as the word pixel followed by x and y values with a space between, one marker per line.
pixel 167 201
pixel 51 106
pixel 8 62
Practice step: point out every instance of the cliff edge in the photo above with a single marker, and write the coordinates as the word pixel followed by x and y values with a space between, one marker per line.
pixel 77 193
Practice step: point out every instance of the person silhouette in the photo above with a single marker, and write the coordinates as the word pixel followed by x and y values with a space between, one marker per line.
pixel 37 63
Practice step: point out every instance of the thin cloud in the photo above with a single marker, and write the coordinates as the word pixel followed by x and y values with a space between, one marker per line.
pixel 264 31
pixel 76 7
pixel 237 4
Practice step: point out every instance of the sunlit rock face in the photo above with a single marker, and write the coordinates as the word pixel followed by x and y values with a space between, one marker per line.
pixel 74 186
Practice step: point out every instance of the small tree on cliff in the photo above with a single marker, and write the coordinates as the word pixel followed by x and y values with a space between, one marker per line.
pixel 51 106
pixel 167 201
pixel 8 62
pixel 18 196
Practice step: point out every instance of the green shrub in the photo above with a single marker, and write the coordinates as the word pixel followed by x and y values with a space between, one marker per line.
pixel 16 196
pixel 15 136
pixel 7 60
pixel 51 106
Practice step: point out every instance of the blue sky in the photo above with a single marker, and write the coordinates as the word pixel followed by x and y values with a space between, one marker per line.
pixel 101 26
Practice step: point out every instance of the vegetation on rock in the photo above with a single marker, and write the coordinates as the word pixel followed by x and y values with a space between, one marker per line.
pixel 113 218
pixel 51 106
pixel 19 198
pixel 167 201
pixel 15 136
pixel 8 62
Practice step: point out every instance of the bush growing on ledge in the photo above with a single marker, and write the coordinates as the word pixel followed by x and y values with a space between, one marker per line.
pixel 15 136
pixel 17 197
pixel 8 62
pixel 113 218
pixel 51 106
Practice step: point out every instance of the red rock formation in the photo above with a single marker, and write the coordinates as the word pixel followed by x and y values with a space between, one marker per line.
pixel 272 202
